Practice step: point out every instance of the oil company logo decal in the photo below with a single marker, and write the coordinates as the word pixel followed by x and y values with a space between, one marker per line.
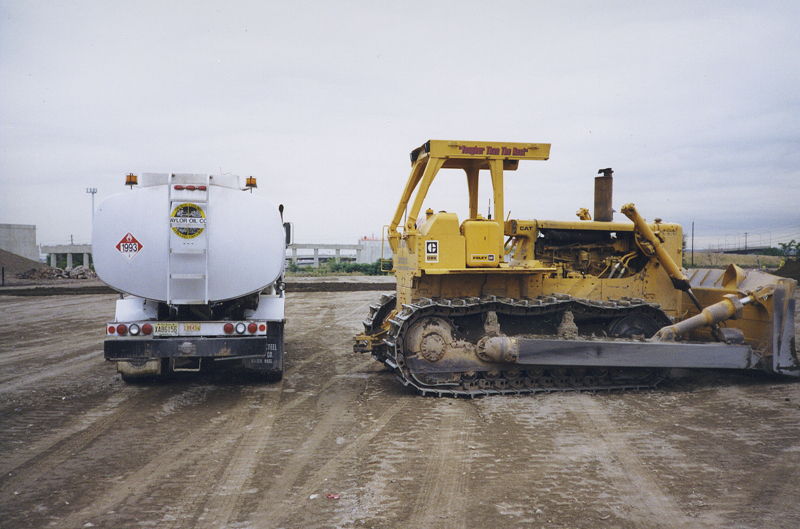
pixel 431 251
pixel 187 221
pixel 129 247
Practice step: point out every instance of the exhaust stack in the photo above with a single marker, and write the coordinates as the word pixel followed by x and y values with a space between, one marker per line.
pixel 603 191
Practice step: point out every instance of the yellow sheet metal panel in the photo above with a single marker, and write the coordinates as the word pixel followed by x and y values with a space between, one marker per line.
pixel 575 225
pixel 484 239
pixel 488 150
pixel 440 244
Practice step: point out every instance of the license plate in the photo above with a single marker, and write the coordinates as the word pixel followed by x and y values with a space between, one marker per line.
pixel 165 328
pixel 191 326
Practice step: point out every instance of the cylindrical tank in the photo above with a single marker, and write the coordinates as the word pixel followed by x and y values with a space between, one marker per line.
pixel 183 238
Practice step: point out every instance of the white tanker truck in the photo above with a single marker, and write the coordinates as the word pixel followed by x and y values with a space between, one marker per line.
pixel 199 264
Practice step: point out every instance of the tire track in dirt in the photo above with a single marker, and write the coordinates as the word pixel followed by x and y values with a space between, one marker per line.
pixel 241 471
pixel 280 511
pixel 227 495
pixel 32 326
pixel 218 489
pixel 649 505
pixel 223 455
pixel 770 494
pixel 308 451
pixel 70 366
pixel 58 446
pixel 208 450
pixel 439 502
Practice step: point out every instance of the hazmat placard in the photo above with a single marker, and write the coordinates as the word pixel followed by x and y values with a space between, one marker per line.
pixel 129 247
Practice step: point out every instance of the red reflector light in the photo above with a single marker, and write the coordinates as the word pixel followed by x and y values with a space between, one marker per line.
pixel 111 329
pixel 228 328
pixel 252 327
pixel 122 329
pixel 179 187
pixel 190 188
pixel 201 188
pixel 262 327
pixel 147 328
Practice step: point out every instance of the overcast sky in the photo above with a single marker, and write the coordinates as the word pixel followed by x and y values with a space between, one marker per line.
pixel 695 105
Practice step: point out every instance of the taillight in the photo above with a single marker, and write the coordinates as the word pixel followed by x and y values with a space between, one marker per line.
pixel 134 329
pixel 122 329
pixel 252 327
pixel 147 328
pixel 228 328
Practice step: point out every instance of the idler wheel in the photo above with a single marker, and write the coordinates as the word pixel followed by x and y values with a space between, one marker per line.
pixel 430 338
pixel 633 325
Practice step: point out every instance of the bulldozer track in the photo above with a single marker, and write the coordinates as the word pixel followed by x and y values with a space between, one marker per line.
pixel 513 379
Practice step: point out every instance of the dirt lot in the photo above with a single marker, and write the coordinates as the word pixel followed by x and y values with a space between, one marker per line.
pixel 78 448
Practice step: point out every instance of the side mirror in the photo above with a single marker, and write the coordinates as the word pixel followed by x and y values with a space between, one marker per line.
pixel 288 229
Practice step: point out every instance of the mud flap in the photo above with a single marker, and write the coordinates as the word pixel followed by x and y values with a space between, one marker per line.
pixel 271 359
pixel 784 356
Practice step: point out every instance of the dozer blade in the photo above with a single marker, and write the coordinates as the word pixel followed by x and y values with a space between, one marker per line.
pixel 607 353
pixel 784 358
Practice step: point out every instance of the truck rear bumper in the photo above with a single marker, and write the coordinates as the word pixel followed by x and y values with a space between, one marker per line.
pixel 264 353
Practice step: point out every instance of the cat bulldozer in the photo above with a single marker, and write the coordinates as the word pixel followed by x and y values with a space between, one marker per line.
pixel 491 306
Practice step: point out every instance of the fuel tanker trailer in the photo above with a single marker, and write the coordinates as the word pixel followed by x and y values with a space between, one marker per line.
pixel 199 262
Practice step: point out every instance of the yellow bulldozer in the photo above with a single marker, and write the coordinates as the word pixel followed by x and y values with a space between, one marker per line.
pixel 492 306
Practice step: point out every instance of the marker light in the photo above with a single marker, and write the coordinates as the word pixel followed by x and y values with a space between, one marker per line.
pixel 178 187
pixel 111 329
pixel 131 180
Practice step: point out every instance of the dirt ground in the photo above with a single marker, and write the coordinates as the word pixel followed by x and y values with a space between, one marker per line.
pixel 340 443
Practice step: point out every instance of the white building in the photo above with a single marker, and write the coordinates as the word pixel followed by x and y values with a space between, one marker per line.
pixel 19 239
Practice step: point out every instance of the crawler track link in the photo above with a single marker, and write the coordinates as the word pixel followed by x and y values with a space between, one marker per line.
pixel 516 314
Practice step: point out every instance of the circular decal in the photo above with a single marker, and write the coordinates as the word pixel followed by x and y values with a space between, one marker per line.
pixel 187 220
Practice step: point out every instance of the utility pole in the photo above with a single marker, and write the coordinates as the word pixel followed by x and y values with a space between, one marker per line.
pixel 92 190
